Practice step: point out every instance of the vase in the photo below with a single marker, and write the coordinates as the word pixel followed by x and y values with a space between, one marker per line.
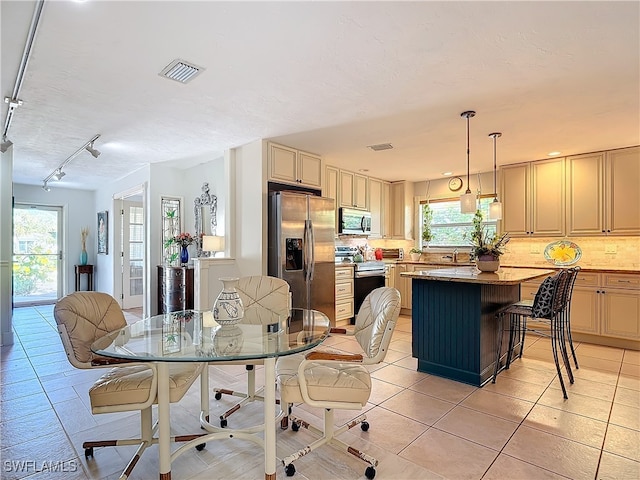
pixel 184 255
pixel 228 308
pixel 487 263
pixel 228 340
pixel 83 257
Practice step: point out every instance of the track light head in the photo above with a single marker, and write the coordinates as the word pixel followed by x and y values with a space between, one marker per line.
pixel 89 148
pixel 46 187
pixel 59 174
pixel 5 144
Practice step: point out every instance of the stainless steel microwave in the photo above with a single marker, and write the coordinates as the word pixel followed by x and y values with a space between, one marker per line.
pixel 354 222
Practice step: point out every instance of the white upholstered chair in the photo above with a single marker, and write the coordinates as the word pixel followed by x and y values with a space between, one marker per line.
pixel 334 380
pixel 84 317
pixel 266 301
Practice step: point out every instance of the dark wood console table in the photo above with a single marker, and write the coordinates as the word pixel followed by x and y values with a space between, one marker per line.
pixel 175 288
pixel 88 269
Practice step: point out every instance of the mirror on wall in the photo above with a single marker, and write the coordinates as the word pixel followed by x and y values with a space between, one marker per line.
pixel 205 208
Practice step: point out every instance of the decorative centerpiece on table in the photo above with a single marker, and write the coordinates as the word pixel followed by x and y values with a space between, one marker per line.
pixel 486 248
pixel 84 233
pixel 183 240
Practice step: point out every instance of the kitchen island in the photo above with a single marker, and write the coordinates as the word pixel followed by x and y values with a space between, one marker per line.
pixel 454 325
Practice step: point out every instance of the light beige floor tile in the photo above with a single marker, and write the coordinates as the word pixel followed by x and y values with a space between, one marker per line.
pixel 567 425
pixel 394 355
pixel 23 406
pixel 502 406
pixel 595 375
pixel 631 356
pixel 444 389
pixel 398 375
pixel 408 362
pixel 579 404
pixel 478 427
pixel 602 391
pixel 632 383
pixel 599 351
pixel 630 370
pixel 382 391
pixel 562 456
pixel 510 467
pixel 599 364
pixel 516 388
pixel 450 456
pixel 531 375
pixel 403 346
pixel 401 336
pixel 625 396
pixel 418 406
pixel 614 467
pixel 625 416
pixel 623 441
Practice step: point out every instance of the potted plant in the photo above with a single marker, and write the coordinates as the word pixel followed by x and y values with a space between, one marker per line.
pixel 486 248
pixel 427 217
pixel 415 254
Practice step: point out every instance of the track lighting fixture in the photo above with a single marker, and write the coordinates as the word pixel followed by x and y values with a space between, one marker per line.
pixel 89 148
pixel 468 200
pixel 58 173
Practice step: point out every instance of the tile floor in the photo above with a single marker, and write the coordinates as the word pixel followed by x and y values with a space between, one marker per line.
pixel 422 426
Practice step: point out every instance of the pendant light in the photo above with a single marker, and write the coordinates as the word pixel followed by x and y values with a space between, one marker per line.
pixel 468 200
pixel 495 208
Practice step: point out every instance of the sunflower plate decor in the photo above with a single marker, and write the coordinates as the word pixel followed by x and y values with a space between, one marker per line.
pixel 562 253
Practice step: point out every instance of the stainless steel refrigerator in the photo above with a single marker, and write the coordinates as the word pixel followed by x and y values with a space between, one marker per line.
pixel 301 248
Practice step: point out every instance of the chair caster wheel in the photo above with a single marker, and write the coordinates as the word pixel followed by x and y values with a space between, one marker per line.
pixel 200 447
pixel 365 426
pixel 218 396
pixel 223 423
pixel 290 469
pixel 88 452
pixel 295 426
pixel 370 473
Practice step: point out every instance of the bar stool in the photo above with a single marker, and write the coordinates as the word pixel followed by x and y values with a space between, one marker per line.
pixel 548 305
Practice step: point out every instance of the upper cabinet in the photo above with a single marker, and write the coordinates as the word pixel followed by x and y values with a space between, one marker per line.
pixel 380 208
pixel 353 190
pixel 402 210
pixel 602 193
pixel 294 166
pixel 533 198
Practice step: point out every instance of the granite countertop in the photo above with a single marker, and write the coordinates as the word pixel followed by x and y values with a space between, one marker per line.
pixel 504 276
pixel 585 268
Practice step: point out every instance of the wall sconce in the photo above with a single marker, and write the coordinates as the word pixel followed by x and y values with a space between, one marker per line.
pixel 212 243
pixel 468 200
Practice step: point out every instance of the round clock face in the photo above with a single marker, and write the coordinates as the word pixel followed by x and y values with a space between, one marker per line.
pixel 455 184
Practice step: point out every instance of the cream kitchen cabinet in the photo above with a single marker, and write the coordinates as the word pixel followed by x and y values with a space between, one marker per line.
pixel 289 165
pixel 602 193
pixel 380 208
pixel 330 190
pixel 353 190
pixel 344 294
pixel 404 284
pixel 533 198
pixel 402 210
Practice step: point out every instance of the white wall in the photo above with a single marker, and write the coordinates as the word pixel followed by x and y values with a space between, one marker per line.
pixel 6 240
pixel 439 188
pixel 78 211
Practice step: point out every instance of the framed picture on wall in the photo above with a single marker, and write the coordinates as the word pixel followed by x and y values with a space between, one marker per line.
pixel 103 232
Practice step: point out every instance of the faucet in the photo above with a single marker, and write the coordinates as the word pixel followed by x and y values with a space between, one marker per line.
pixel 455 255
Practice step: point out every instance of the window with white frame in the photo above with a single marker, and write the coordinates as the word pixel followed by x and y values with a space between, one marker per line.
pixel 449 227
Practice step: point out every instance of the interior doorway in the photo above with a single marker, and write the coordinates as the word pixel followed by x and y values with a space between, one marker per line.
pixel 37 254
pixel 130 247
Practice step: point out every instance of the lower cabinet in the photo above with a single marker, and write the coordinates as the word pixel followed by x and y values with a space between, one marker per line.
pixel 403 284
pixel 344 294
pixel 175 288
pixel 603 306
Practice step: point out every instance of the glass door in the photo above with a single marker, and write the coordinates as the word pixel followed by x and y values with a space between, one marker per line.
pixel 132 254
pixel 37 254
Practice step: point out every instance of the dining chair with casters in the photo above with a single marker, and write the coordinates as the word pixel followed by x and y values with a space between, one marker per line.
pixel 549 306
pixel 332 380
pixel 84 317
pixel 266 301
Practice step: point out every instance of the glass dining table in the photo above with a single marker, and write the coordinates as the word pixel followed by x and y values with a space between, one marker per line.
pixel 194 336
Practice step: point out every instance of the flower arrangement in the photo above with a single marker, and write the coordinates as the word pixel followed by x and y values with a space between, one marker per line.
pixel 84 233
pixel 483 244
pixel 184 239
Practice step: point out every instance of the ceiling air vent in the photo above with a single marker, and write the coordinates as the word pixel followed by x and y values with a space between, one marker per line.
pixel 380 146
pixel 181 71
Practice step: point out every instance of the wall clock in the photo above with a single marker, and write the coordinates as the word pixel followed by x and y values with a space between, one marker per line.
pixel 455 184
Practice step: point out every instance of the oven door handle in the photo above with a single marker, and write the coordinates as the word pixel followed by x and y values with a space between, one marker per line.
pixel 369 273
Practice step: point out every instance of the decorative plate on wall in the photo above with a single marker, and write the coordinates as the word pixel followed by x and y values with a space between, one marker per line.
pixel 562 253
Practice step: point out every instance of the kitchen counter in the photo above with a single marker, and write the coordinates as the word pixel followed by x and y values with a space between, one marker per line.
pixel 585 268
pixel 504 276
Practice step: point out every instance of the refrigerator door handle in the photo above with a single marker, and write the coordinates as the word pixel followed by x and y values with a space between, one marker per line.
pixel 306 253
pixel 312 251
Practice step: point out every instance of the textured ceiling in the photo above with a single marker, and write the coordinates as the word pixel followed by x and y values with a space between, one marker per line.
pixel 326 77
